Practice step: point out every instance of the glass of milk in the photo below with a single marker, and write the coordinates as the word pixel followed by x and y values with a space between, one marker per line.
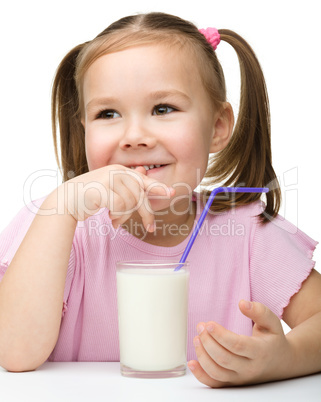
pixel 152 316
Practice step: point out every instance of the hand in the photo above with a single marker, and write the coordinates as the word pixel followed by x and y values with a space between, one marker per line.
pixel 117 188
pixel 227 359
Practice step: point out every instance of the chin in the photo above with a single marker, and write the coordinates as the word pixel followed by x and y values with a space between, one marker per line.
pixel 179 204
pixel 160 206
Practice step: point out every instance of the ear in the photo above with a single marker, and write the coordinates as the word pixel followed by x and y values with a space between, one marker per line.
pixel 82 121
pixel 223 128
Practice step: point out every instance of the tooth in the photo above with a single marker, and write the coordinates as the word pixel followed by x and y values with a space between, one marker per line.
pixel 157 165
pixel 146 167
pixel 151 166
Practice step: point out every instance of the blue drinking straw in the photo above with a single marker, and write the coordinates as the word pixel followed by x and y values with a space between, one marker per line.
pixel 207 207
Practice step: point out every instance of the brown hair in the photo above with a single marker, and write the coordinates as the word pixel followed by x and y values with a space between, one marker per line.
pixel 247 159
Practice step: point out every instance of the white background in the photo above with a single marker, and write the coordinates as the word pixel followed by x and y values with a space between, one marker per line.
pixel 35 35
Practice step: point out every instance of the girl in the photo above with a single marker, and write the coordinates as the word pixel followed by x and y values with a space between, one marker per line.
pixel 140 109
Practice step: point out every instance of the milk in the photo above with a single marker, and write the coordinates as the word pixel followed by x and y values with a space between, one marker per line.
pixel 152 313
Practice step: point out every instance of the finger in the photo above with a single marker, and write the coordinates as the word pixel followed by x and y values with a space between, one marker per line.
pixel 265 320
pixel 240 345
pixel 139 187
pixel 202 376
pixel 140 174
pixel 156 189
pixel 222 356
pixel 118 218
pixel 130 197
pixel 147 214
pixel 124 204
pixel 142 204
pixel 159 191
pixel 131 190
pixel 214 371
pixel 122 200
pixel 152 186
pixel 141 170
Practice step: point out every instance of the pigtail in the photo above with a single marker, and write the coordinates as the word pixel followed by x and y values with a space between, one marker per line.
pixel 65 112
pixel 247 160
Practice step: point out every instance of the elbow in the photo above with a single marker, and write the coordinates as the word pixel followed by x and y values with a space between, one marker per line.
pixel 19 365
pixel 20 355
pixel 22 362
pixel 14 367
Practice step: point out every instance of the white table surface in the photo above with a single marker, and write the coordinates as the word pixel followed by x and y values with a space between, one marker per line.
pixel 95 382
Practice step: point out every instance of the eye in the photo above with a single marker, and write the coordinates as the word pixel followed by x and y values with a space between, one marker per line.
pixel 108 114
pixel 161 110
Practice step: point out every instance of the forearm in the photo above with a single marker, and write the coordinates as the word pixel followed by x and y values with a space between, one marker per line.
pixel 31 292
pixel 305 346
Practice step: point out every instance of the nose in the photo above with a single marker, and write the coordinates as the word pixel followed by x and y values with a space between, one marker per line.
pixel 137 137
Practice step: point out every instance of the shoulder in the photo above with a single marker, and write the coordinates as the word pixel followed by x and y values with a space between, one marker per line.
pixel 24 217
pixel 235 226
pixel 249 212
pixel 13 234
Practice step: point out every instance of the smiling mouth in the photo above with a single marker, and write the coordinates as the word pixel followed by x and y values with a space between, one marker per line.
pixel 148 167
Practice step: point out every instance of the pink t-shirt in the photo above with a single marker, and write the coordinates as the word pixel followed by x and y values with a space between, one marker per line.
pixel 233 258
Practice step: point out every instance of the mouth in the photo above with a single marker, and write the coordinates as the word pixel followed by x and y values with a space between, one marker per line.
pixel 148 167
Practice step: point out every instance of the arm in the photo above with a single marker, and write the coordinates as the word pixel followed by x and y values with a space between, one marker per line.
pixel 227 359
pixel 303 315
pixel 31 292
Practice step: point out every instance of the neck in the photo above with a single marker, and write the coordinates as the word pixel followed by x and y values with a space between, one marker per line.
pixel 171 227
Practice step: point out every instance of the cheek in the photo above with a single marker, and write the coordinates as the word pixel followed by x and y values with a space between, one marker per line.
pixel 194 147
pixel 194 153
pixel 96 151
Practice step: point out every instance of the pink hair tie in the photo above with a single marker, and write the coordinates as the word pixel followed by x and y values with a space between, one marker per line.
pixel 212 36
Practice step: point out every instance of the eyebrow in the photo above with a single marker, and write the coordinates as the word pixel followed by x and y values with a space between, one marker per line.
pixel 99 102
pixel 153 96
pixel 168 93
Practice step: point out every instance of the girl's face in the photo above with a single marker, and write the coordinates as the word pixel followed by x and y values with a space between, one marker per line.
pixel 147 106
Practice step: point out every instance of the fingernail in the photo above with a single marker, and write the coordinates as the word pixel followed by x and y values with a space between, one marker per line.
pixel 247 304
pixel 151 228
pixel 191 366
pixel 169 191
pixel 200 329
pixel 210 327
pixel 196 341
